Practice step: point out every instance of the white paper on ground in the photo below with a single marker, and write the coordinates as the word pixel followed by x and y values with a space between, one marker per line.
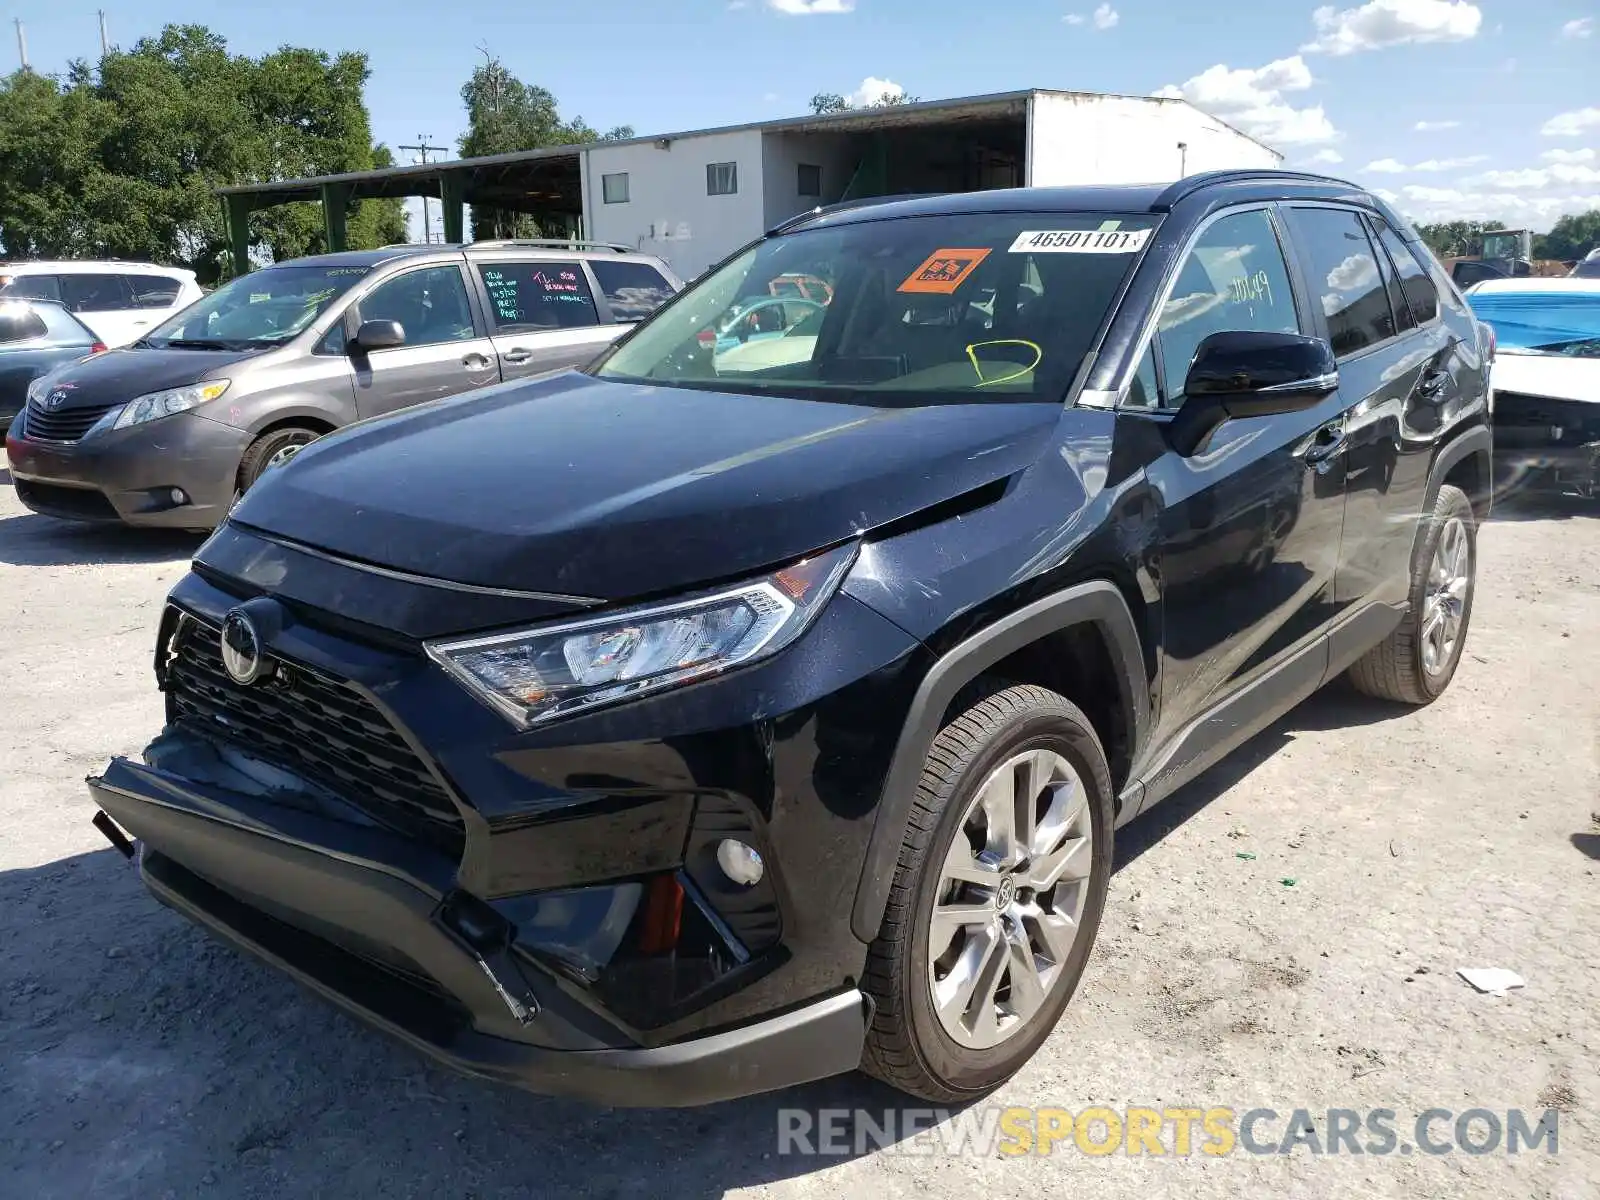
pixel 1493 980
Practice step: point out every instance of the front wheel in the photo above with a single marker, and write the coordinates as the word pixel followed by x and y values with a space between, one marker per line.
pixel 996 899
pixel 271 450
pixel 1416 662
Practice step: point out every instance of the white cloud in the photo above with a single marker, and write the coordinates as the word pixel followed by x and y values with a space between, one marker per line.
pixel 1382 23
pixel 873 89
pixel 1435 126
pixel 1519 208
pixel 1537 178
pixel 1390 166
pixel 1572 124
pixel 1104 17
pixel 1569 156
pixel 1326 158
pixel 1253 100
pixel 1581 28
pixel 1354 274
pixel 806 8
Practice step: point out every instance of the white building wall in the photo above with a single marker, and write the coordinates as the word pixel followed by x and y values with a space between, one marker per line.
pixel 1077 138
pixel 668 212
pixel 782 154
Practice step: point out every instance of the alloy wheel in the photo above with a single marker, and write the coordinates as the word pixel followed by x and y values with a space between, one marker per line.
pixel 1010 898
pixel 1444 610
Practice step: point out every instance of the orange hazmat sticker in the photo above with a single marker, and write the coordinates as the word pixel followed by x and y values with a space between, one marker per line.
pixel 943 271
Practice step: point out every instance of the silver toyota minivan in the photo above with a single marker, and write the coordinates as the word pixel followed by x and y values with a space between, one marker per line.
pixel 170 430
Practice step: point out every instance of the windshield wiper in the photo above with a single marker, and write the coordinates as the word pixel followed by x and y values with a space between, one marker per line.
pixel 194 344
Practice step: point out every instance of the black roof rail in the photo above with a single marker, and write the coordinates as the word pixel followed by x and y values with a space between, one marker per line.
pixel 1193 183
pixel 823 210
pixel 551 243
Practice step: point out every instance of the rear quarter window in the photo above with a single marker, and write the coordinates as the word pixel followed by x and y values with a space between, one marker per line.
pixel 19 323
pixel 634 290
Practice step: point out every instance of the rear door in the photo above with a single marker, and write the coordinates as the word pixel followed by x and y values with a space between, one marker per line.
pixel 446 350
pixel 104 302
pixel 542 313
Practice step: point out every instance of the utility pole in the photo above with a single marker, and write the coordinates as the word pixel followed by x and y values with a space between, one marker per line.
pixel 22 43
pixel 1183 159
pixel 492 67
pixel 423 150
pixel 105 43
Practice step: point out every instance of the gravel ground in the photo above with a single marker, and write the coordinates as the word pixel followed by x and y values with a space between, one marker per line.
pixel 137 1058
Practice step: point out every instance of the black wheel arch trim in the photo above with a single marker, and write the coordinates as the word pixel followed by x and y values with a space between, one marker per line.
pixel 1098 602
pixel 1476 440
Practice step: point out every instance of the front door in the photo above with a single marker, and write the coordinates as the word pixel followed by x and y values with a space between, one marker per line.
pixel 444 352
pixel 542 314
pixel 1250 524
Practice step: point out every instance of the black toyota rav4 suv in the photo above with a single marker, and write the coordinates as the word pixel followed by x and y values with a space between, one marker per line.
pixel 736 712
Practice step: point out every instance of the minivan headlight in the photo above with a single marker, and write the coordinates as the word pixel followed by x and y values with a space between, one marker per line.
pixel 535 675
pixel 163 404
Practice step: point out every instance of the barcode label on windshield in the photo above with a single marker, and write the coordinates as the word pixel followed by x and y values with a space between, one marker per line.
pixel 1080 241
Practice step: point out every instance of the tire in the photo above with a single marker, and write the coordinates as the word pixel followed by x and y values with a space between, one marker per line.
pixel 268 445
pixel 1414 664
pixel 910 1045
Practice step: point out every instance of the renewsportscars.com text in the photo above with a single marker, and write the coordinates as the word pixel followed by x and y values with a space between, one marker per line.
pixel 1168 1131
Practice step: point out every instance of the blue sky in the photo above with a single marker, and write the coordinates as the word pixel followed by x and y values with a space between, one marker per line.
pixel 1455 108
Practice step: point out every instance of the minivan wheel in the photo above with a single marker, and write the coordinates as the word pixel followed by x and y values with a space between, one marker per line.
pixel 996 899
pixel 1416 662
pixel 271 450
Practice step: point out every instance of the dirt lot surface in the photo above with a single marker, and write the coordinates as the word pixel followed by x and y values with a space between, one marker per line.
pixel 139 1059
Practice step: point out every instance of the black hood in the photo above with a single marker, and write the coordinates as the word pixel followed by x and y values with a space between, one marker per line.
pixel 117 376
pixel 592 488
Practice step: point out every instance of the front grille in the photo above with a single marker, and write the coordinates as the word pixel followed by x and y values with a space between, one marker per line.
pixel 63 425
pixel 317 728
pixel 1578 421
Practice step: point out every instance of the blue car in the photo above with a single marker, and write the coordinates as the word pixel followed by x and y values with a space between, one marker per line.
pixel 36 337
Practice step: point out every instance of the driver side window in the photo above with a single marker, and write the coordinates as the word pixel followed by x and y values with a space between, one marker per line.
pixel 1233 278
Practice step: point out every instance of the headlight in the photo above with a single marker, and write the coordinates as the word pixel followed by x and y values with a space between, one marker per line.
pixel 164 404
pixel 535 675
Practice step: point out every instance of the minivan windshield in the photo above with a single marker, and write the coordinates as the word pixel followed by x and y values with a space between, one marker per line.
pixel 263 308
pixel 906 310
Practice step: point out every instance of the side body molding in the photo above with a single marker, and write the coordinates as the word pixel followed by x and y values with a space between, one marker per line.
pixel 1097 602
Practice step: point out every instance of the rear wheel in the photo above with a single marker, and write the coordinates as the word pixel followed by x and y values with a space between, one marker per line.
pixel 996 898
pixel 271 450
pixel 1416 662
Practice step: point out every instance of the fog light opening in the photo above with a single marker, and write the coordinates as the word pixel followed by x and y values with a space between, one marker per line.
pixel 179 497
pixel 740 863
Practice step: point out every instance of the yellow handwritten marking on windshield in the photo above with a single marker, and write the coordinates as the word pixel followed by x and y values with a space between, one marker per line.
pixel 977 368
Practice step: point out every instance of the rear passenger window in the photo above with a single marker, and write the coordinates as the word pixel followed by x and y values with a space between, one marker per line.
pixel 1391 284
pixel 1414 282
pixel 96 293
pixel 33 287
pixel 527 296
pixel 1344 277
pixel 19 323
pixel 1234 278
pixel 152 291
pixel 634 290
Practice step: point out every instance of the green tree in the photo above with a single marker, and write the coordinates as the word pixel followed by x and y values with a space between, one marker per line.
pixel 505 115
pixel 824 103
pixel 1571 237
pixel 1456 239
pixel 123 159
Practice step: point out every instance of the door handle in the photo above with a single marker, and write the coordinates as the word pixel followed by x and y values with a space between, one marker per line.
pixel 517 354
pixel 1328 443
pixel 475 362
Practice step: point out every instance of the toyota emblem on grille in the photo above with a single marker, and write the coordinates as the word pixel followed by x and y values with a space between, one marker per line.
pixel 241 648
pixel 55 399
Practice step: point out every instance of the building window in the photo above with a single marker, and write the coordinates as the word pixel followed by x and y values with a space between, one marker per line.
pixel 722 179
pixel 810 180
pixel 614 188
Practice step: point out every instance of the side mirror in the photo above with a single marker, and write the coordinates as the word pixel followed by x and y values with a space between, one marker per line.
pixel 1240 374
pixel 378 335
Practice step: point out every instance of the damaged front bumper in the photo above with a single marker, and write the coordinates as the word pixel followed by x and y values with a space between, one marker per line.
pixel 376 925
pixel 1546 444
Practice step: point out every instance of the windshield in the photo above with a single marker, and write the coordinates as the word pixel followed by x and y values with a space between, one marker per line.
pixel 913 310
pixel 1542 322
pixel 264 308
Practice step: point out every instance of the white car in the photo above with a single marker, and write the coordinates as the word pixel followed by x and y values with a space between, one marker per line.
pixel 119 301
pixel 1546 377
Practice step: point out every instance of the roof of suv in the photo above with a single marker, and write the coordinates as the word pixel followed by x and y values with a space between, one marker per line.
pixel 554 248
pixel 106 266
pixel 1240 185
